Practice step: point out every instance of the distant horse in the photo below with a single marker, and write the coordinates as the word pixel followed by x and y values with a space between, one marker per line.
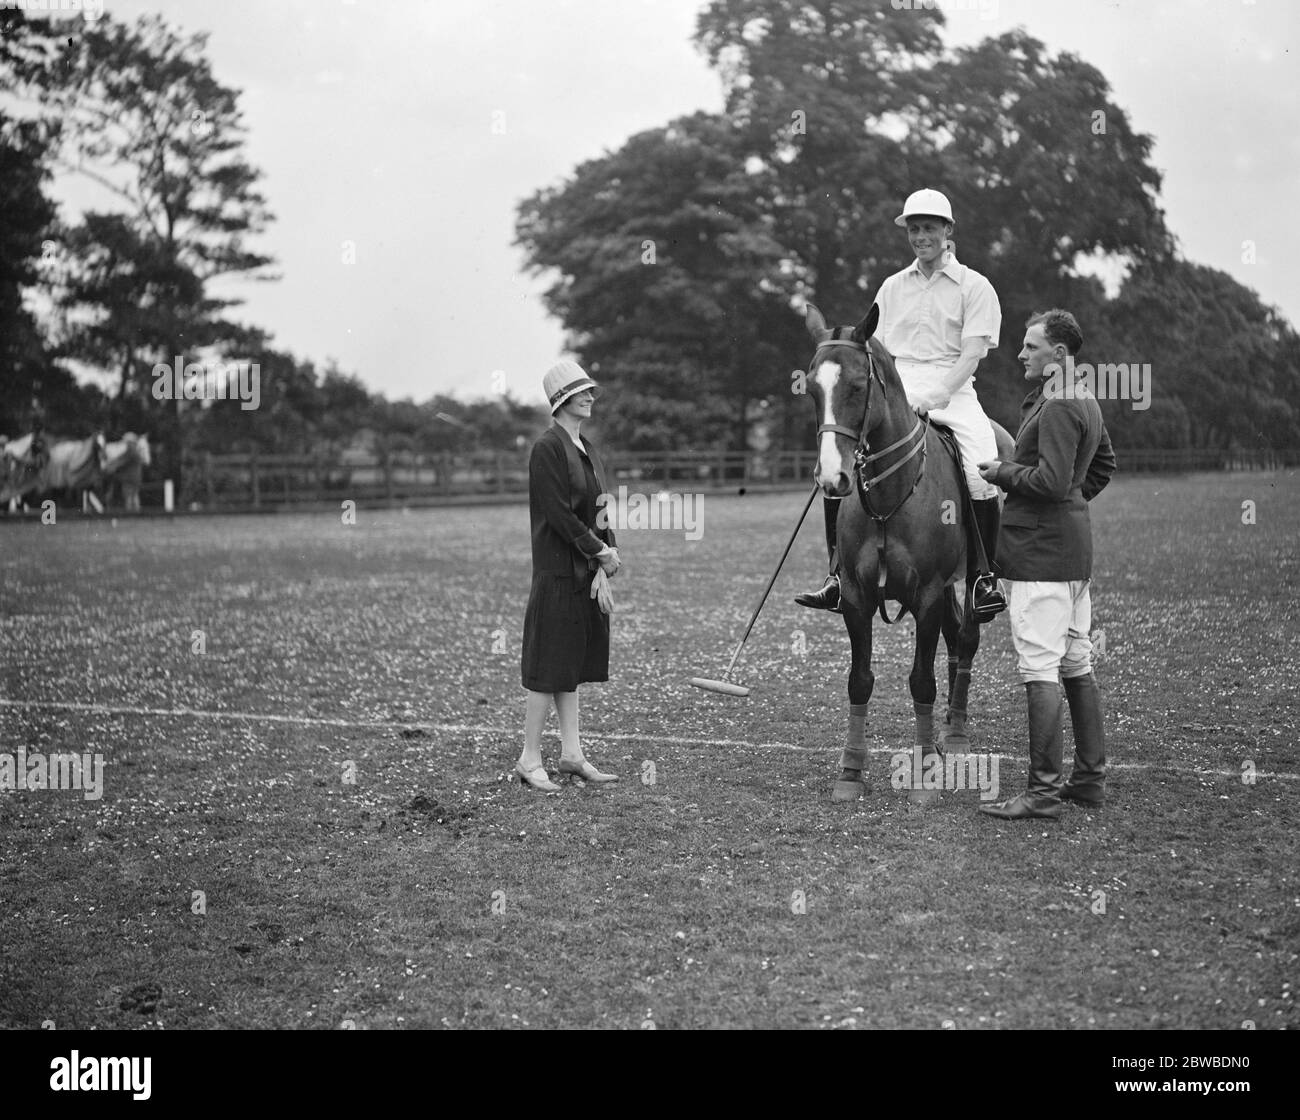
pixel 75 464
pixel 901 532
pixel 67 466
pixel 124 463
pixel 22 462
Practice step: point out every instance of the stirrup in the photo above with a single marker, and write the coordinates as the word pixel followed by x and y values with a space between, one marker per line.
pixel 986 598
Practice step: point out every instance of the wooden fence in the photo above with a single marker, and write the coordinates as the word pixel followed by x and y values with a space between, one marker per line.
pixel 268 481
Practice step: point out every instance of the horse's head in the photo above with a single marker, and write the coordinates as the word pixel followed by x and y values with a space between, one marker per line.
pixel 846 380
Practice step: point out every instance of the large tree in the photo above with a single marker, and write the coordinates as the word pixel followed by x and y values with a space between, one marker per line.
pixel 669 279
pixel 811 88
pixel 27 216
pixel 138 111
pixel 835 111
pixel 1223 364
pixel 1047 177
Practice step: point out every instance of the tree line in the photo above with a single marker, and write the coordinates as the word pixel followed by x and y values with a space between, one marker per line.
pixel 137 111
pixel 676 263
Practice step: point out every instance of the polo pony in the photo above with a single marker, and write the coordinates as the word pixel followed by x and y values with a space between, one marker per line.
pixel 902 533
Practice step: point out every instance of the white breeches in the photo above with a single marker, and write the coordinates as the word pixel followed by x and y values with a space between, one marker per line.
pixel 963 415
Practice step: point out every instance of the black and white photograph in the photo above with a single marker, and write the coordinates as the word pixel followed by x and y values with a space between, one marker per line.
pixel 650 515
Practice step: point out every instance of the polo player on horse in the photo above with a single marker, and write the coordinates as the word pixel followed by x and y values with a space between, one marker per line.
pixel 938 318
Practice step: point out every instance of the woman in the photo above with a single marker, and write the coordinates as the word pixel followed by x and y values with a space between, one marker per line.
pixel 566 626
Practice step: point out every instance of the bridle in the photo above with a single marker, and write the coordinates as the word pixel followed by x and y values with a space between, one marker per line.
pixel 863 457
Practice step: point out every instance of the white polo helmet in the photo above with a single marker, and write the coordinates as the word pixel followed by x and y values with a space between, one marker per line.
pixel 925 204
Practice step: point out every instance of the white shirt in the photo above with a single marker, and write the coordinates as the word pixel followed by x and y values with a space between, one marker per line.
pixel 928 320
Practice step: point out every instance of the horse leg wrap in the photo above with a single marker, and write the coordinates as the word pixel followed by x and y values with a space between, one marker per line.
pixel 925 746
pixel 955 735
pixel 855 746
pixel 850 786
pixel 959 686
pixel 924 726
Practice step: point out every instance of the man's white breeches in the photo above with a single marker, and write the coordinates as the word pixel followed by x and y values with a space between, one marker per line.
pixel 1049 628
pixel 963 415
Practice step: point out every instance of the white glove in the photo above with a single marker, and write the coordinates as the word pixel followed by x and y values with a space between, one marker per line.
pixel 928 402
pixel 601 593
pixel 609 560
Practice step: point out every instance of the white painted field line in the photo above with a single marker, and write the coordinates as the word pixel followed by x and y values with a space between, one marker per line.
pixel 376 725
pixel 486 729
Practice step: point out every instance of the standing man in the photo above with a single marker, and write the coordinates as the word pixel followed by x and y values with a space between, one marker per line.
pixel 1063 459
pixel 938 319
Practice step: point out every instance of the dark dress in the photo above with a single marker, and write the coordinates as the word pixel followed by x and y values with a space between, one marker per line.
pixel 566 635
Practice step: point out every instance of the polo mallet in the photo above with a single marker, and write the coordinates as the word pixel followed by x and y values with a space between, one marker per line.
pixel 725 686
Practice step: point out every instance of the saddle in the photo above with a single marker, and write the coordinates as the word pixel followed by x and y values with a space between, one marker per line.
pixel 984 599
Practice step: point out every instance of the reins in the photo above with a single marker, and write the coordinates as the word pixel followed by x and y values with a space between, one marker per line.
pixel 862 461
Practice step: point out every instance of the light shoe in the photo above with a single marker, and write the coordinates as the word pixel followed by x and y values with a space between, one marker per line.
pixel 585 771
pixel 537 778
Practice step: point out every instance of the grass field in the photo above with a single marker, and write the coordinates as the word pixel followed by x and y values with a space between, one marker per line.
pixel 312 724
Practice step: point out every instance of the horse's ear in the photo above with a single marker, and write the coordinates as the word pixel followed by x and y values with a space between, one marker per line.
pixel 865 329
pixel 814 320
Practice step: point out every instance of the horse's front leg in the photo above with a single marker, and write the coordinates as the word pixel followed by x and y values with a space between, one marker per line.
pixel 929 622
pixel 851 785
pixel 963 641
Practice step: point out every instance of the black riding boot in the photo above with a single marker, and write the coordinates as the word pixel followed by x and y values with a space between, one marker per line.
pixel 988 519
pixel 986 599
pixel 1042 798
pixel 828 598
pixel 1087 784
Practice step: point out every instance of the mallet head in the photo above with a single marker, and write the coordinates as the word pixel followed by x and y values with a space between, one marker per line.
pixel 725 687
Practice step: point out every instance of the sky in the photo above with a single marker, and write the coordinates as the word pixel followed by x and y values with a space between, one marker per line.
pixel 404 133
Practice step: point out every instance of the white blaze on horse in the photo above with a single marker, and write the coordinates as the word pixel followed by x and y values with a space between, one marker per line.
pixel 901 531
pixel 124 463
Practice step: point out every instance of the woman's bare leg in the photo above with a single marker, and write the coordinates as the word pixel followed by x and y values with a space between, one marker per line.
pixel 535 713
pixel 566 707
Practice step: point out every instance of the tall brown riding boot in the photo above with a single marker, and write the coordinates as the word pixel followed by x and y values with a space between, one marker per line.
pixel 1087 784
pixel 828 598
pixel 1042 798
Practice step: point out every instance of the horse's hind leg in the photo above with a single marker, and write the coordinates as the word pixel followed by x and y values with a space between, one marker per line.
pixel 929 623
pixel 963 641
pixel 850 786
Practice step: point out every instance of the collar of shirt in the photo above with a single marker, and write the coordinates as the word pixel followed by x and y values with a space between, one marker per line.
pixel 952 268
